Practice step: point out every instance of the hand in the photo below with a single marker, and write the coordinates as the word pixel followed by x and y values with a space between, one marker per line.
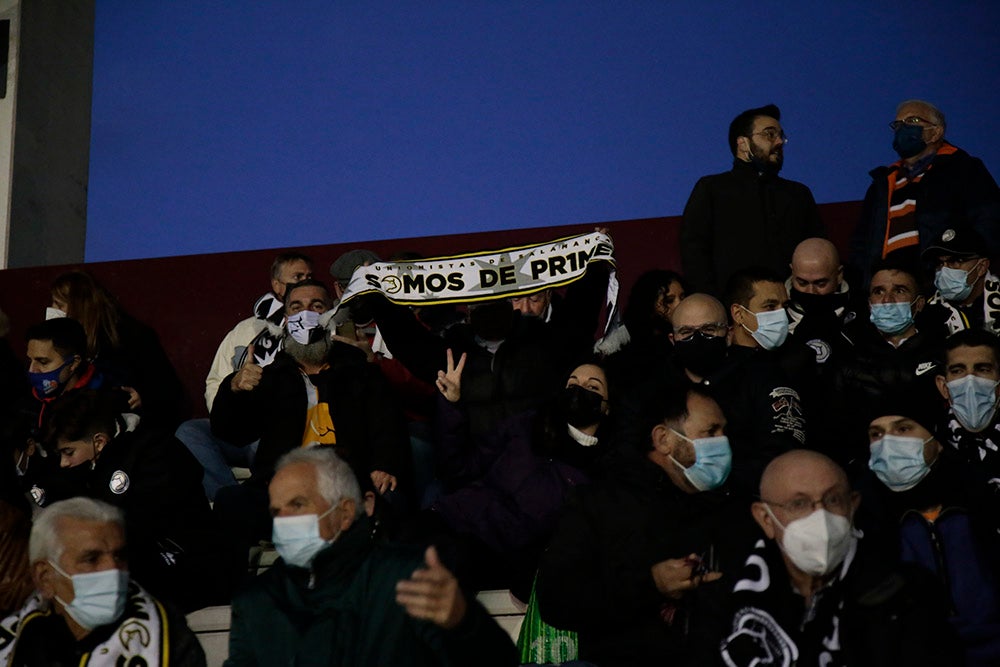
pixel 449 382
pixel 603 230
pixel 248 377
pixel 134 400
pixel 432 593
pixel 383 481
pixel 676 575
pixel 360 344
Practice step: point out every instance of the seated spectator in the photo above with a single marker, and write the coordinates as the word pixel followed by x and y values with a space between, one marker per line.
pixel 935 510
pixel 87 609
pixel 15 524
pixel 317 391
pixel 505 489
pixel 634 561
pixel 57 364
pixel 895 353
pixel 763 411
pixel 756 300
pixel 970 381
pixel 513 363
pixel 127 352
pixel 175 548
pixel 335 597
pixel 644 334
pixel 215 455
pixel 821 302
pixel 812 593
pixel 966 288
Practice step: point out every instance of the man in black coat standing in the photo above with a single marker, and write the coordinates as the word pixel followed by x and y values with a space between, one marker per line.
pixel 747 216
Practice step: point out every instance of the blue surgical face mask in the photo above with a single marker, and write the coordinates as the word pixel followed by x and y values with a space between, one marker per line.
pixel 899 461
pixel 48 383
pixel 974 401
pixel 772 327
pixel 297 538
pixel 713 459
pixel 98 597
pixel 953 284
pixel 892 318
pixel 301 324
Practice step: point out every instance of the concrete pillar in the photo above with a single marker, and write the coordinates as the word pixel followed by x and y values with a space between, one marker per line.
pixel 45 131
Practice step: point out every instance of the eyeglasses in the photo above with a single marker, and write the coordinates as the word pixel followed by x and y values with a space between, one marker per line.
pixel 910 120
pixel 836 502
pixel 710 329
pixel 772 134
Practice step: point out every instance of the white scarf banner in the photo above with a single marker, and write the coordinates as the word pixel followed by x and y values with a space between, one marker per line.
pixel 483 276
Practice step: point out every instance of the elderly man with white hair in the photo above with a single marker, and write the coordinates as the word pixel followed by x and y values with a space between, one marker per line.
pixel 86 610
pixel 335 597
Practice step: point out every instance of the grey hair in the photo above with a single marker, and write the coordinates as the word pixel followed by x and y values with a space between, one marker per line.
pixel 334 478
pixel 45 542
pixel 936 115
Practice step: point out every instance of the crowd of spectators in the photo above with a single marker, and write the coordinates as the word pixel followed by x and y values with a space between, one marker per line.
pixel 776 457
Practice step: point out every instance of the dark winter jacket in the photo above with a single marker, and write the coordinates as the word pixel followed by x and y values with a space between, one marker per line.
pixel 343 611
pixel 506 491
pixel 173 538
pixel 371 432
pixel 739 219
pixel 956 189
pixel 595 577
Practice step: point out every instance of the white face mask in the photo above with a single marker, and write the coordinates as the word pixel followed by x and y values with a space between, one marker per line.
pixel 301 324
pixel 54 313
pixel 817 543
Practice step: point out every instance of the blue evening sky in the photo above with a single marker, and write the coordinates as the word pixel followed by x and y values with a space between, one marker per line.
pixel 222 126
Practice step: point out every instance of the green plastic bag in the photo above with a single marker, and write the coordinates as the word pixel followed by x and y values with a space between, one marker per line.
pixel 540 643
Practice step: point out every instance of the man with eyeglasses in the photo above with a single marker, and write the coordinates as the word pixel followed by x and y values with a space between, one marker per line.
pixel 813 594
pixel 749 215
pixel 966 287
pixel 914 200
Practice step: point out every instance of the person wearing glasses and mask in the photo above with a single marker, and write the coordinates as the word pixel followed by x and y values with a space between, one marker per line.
pixel 813 593
pixel 966 288
pixel 913 200
pixel 762 408
pixel 748 215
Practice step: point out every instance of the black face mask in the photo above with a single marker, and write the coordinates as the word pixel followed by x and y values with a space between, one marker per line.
pixel 74 481
pixel 580 406
pixel 909 141
pixel 815 303
pixel 702 353
pixel 492 321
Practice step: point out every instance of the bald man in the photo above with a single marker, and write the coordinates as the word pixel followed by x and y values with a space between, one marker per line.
pixel 822 317
pixel 808 594
pixel 764 411
pixel 914 200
